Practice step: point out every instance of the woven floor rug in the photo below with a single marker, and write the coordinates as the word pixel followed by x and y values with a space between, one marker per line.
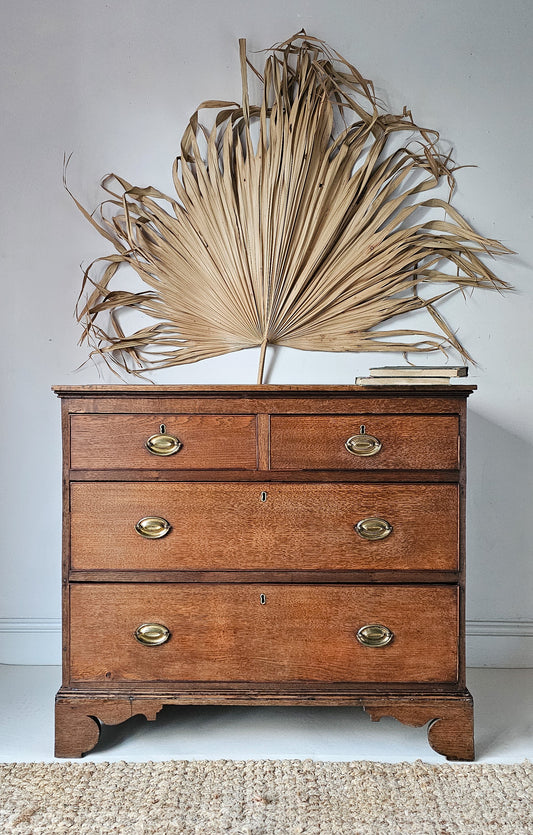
pixel 282 797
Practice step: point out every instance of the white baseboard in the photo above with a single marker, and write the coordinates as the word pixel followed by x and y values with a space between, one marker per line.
pixel 30 641
pixel 499 643
pixel 490 643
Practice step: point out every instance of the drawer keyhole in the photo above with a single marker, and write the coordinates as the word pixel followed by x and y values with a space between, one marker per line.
pixel 263 496
pixel 263 599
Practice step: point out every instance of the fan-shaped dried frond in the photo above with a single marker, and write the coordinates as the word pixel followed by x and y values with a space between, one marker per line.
pixel 299 221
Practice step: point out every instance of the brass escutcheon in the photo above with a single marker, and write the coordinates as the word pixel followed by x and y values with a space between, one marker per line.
pixel 152 527
pixel 373 528
pixel 152 634
pixel 374 635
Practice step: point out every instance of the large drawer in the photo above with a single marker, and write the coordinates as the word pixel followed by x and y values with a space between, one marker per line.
pixel 405 442
pixel 253 632
pixel 240 526
pixel 208 442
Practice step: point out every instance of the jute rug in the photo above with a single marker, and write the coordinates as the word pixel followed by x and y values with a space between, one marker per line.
pixel 281 797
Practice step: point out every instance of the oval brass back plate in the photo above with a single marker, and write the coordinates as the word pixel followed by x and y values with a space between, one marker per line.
pixel 373 528
pixel 152 634
pixel 363 445
pixel 152 527
pixel 163 444
pixel 374 635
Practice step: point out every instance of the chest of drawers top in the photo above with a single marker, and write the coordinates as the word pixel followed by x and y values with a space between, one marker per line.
pixel 287 432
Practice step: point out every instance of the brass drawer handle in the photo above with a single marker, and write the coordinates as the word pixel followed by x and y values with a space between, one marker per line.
pixel 152 527
pixel 163 443
pixel 152 634
pixel 363 444
pixel 373 528
pixel 374 635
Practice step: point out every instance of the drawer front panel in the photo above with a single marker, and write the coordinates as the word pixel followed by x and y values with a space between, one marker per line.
pixel 271 526
pixel 407 442
pixel 208 442
pixel 261 632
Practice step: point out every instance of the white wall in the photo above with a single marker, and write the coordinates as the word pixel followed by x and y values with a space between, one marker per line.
pixel 114 82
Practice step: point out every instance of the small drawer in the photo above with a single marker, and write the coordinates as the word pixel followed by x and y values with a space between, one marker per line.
pixel 263 633
pixel 242 526
pixel 189 442
pixel 364 442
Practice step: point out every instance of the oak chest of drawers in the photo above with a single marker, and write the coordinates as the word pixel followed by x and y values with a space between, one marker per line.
pixel 264 545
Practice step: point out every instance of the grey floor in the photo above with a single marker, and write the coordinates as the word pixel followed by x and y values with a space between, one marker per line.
pixel 503 711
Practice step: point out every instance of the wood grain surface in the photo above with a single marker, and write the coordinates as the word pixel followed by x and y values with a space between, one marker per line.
pixel 223 632
pixel 409 442
pixel 240 526
pixel 208 441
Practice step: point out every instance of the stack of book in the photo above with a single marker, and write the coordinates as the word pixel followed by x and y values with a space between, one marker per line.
pixel 412 375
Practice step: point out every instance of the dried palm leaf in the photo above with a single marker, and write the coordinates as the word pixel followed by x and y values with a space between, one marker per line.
pixel 297 222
